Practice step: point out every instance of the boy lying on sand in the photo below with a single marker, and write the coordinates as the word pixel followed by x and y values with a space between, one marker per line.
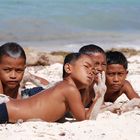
pixel 52 104
pixel 12 66
pixel 117 84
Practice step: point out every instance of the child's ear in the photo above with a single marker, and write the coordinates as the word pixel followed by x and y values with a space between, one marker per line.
pixel 127 72
pixel 68 68
pixel 25 67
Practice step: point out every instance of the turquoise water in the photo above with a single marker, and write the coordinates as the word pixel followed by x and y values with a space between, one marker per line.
pixel 70 23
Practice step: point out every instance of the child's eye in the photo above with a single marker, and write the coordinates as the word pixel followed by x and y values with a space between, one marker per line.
pixel 104 64
pixel 110 74
pixel 19 71
pixel 120 74
pixel 86 66
pixel 7 70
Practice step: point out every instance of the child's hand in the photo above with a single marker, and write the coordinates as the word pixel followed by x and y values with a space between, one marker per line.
pixel 100 88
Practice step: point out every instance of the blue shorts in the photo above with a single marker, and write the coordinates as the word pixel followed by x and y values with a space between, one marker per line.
pixel 31 91
pixel 3 113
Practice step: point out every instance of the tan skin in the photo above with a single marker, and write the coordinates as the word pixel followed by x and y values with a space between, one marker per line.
pixel 50 105
pixel 116 83
pixel 111 94
pixel 11 73
pixel 1 88
pixel 99 60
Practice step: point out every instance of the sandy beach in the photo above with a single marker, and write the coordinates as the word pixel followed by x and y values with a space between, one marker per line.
pixel 107 126
pixel 66 25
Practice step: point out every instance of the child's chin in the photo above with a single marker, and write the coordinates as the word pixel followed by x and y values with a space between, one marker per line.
pixel 12 86
pixel 116 89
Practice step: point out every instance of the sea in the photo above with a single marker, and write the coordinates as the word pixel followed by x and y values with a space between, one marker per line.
pixel 67 25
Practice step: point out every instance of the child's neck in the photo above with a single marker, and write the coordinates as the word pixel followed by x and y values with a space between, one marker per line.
pixel 13 93
pixel 77 84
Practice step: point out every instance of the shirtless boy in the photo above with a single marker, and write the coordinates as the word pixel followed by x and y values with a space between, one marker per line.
pixel 117 84
pixel 116 77
pixel 12 66
pixel 52 104
pixel 98 57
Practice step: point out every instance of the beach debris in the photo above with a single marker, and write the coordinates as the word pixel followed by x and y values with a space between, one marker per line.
pixel 3 98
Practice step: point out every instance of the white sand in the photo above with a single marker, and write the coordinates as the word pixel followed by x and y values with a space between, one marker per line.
pixel 108 126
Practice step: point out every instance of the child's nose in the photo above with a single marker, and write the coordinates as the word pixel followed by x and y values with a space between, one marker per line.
pixel 91 72
pixel 13 74
pixel 116 77
pixel 99 68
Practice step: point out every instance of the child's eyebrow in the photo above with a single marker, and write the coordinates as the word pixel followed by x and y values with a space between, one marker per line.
pixel 88 63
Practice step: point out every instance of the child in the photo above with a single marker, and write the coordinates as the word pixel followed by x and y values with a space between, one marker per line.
pixel 12 66
pixel 52 104
pixel 116 77
pixel 98 56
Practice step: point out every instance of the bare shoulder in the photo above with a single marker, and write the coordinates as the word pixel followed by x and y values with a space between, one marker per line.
pixel 127 85
pixel 67 89
pixel 71 89
pixel 129 90
pixel 71 92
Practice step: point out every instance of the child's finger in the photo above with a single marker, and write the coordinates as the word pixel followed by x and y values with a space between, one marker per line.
pixel 99 78
pixel 95 87
pixel 103 77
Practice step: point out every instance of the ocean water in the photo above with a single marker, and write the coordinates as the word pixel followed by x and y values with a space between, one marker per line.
pixel 70 24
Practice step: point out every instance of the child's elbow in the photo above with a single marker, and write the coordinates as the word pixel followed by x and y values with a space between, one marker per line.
pixel 82 118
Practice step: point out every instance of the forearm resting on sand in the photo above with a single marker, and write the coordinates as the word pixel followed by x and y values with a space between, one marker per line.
pixel 38 81
pixel 100 90
pixel 121 107
pixel 95 107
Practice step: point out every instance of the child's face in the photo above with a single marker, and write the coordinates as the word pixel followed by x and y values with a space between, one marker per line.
pixel 99 61
pixel 115 76
pixel 83 70
pixel 11 71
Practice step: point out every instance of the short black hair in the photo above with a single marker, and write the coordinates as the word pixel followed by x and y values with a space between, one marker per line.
pixel 70 58
pixel 90 49
pixel 12 49
pixel 116 57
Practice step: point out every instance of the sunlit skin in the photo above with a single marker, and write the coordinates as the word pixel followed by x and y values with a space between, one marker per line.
pixel 99 60
pixel 1 88
pixel 116 83
pixel 11 74
pixel 52 104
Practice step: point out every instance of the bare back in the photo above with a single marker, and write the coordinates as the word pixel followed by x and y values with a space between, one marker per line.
pixel 49 105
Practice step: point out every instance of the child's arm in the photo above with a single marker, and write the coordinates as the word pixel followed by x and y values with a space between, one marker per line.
pixel 38 81
pixel 100 90
pixel 129 91
pixel 76 106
